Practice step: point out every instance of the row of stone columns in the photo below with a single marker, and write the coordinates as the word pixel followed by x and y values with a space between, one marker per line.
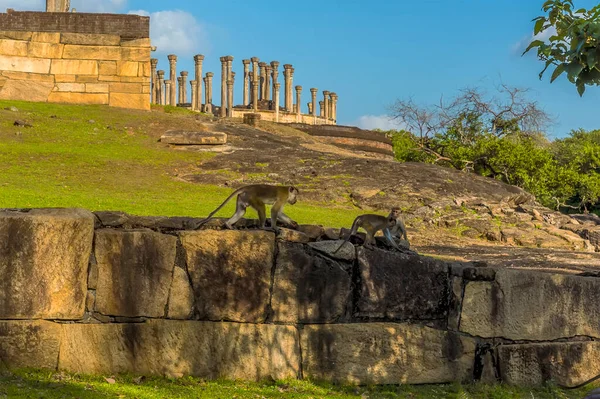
pixel 259 84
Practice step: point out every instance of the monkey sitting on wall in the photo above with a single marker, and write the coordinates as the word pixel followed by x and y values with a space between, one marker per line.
pixel 256 196
pixel 373 223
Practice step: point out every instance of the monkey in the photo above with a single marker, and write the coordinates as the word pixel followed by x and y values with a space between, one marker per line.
pixel 373 223
pixel 256 196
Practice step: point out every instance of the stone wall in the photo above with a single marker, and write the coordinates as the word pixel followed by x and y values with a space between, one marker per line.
pixel 109 292
pixel 75 58
pixel 283 117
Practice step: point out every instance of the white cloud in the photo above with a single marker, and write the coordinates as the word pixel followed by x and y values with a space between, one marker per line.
pixel 175 31
pixel 383 122
pixel 522 44
pixel 23 5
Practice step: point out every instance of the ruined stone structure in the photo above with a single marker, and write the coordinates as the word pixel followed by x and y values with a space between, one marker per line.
pixel 109 293
pixel 75 57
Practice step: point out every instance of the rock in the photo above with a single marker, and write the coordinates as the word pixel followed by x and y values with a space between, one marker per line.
pixel 111 218
pixel 313 232
pixel 493 236
pixel 401 286
pixel 197 138
pixel 29 344
pixel 383 353
pixel 347 252
pixel 12 108
pixel 332 233
pixel 292 235
pixel 181 296
pixel 564 363
pixel 479 273
pixel 577 243
pixel 230 272
pixel 22 123
pixel 90 301
pixel 135 271
pixel 455 304
pixel 530 305
pixel 44 256
pixel 309 289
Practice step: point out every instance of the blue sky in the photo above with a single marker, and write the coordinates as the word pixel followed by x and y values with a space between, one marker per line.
pixel 369 53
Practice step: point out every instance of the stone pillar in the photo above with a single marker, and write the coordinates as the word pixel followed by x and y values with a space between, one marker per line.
pixel 313 94
pixel 263 80
pixel 179 90
pixel 254 61
pixel 298 103
pixel 326 103
pixel 209 92
pixel 184 75
pixel 276 86
pixel 194 90
pixel 173 78
pixel 309 106
pixel 197 105
pixel 275 75
pixel 268 82
pixel 246 99
pixel 58 5
pixel 223 112
pixel 229 77
pixel 168 92
pixel 321 109
pixel 160 91
pixel 287 74
pixel 254 81
pixel 334 98
pixel 154 81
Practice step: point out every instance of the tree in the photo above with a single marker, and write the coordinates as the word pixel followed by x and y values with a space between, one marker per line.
pixel 574 46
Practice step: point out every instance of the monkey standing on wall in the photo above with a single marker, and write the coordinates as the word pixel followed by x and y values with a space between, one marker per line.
pixel 373 223
pixel 256 196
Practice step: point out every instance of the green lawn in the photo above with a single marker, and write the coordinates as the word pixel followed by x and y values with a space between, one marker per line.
pixel 50 385
pixel 102 158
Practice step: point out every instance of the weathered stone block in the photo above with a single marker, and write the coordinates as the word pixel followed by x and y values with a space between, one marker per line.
pixel 133 79
pixel 346 252
pixel 96 87
pixel 135 270
pixel 15 35
pixel 32 344
pixel 128 100
pixel 106 53
pixel 46 37
pixel 74 67
pixel 44 256
pixel 309 289
pixel 183 137
pixel 402 286
pixel 78 98
pixel 127 68
pixel 144 42
pixel 135 88
pixel 385 353
pixel 531 305
pixel 13 47
pixel 230 273
pixel 107 67
pixel 26 90
pixel 33 77
pixel 91 39
pixel 565 363
pixel 74 87
pixel 181 296
pixel 86 78
pixel 45 50
pixel 24 64
pixel 64 78
pixel 144 69
pixel 140 54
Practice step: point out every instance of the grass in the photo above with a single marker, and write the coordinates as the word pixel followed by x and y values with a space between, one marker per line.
pixel 102 158
pixel 50 385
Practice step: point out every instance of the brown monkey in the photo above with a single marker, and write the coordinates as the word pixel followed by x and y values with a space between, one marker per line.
pixel 373 223
pixel 256 196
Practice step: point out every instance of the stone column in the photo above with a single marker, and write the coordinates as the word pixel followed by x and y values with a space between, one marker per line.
pixel 229 77
pixel 254 81
pixel 326 103
pixel 173 78
pixel 168 92
pixel 184 75
pixel 321 109
pixel 276 86
pixel 194 90
pixel 58 5
pixel 309 106
pixel 160 92
pixel 223 112
pixel 275 75
pixel 268 82
pixel 313 94
pixel 263 80
pixel 197 105
pixel 298 103
pixel 246 99
pixel 334 98
pixel 154 81
pixel 287 74
pixel 254 61
pixel 209 93
pixel 179 90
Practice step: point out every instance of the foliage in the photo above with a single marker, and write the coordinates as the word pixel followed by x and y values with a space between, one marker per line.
pixel 573 47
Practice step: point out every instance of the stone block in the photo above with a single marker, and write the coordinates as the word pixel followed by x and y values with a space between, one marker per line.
pixel 78 98
pixel 13 47
pixel 25 90
pixel 44 255
pixel 401 286
pixel 15 35
pixel 309 289
pixel 135 270
pixel 128 100
pixel 144 69
pixel 64 78
pixel 74 67
pixel 107 67
pixel 346 252
pixel 230 273
pixel 88 39
pixel 532 305
pixel 106 53
pixel 144 42
pixel 564 363
pixel 133 79
pixel 24 64
pixel 181 296
pixel 127 68
pixel 385 353
pixel 186 138
pixel 29 344
pixel 32 77
pixel 134 88
pixel 86 78
pixel 140 54
pixel 146 88
pixel 96 87
pixel 75 87
pixel 46 37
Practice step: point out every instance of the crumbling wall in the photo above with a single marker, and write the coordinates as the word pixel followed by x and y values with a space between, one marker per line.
pixel 109 292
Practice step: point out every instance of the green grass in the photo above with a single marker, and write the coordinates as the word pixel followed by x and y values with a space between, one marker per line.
pixel 102 158
pixel 46 384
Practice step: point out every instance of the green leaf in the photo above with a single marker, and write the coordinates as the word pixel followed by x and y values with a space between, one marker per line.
pixel 581 11
pixel 580 88
pixel 548 63
pixel 557 72
pixel 573 69
pixel 539 26
pixel 535 43
pixel 591 58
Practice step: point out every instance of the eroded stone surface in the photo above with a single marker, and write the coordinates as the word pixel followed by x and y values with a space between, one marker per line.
pixel 198 138
pixel 309 289
pixel 385 353
pixel 135 271
pixel 44 255
pixel 181 296
pixel 29 344
pixel 230 272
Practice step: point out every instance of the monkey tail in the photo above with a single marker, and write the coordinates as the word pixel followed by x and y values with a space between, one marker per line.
pixel 202 222
pixel 582 384
pixel 349 235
